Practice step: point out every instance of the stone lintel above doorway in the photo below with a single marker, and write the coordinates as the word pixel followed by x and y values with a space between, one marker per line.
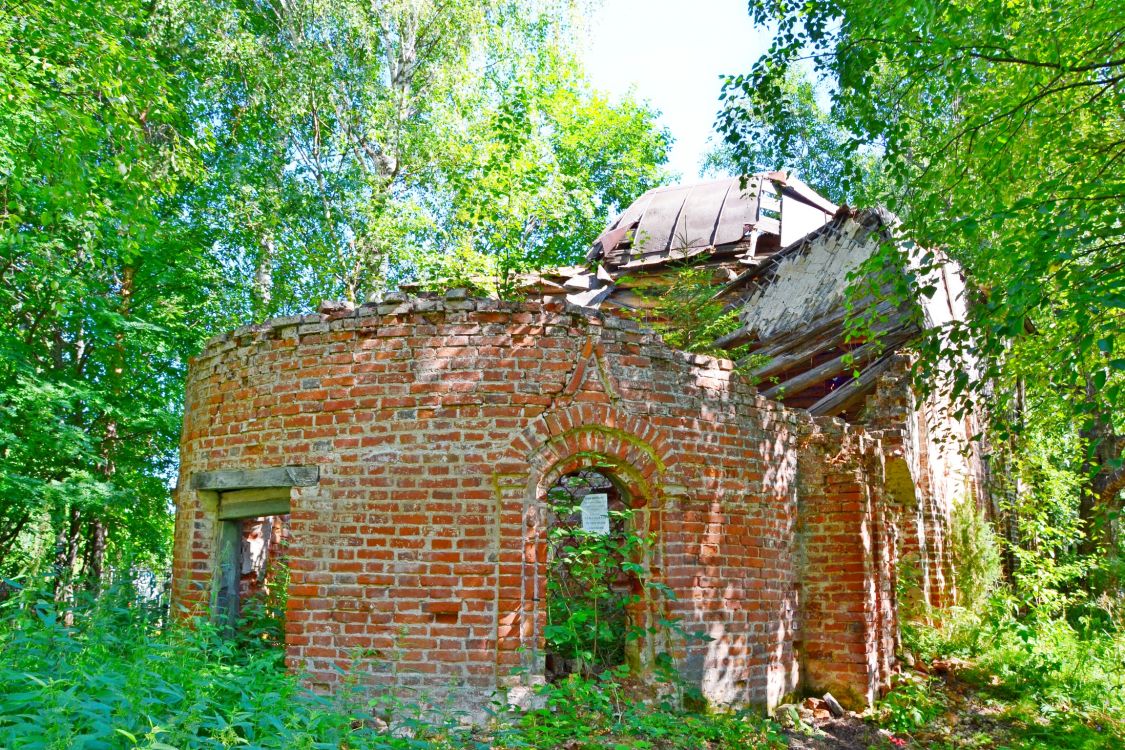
pixel 225 480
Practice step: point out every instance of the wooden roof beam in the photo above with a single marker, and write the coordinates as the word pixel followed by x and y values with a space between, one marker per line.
pixel 816 330
pixel 834 367
pixel 846 395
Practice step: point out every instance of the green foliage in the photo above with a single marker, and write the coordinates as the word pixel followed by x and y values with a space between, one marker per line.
pixel 591 714
pixel 262 615
pixel 538 173
pixel 911 704
pixel 980 110
pixel 596 585
pixel 104 285
pixel 686 315
pixel 588 600
pixel 979 107
pixel 976 554
pixel 1047 684
pixel 121 677
pixel 170 170
pixel 796 135
pixel 359 144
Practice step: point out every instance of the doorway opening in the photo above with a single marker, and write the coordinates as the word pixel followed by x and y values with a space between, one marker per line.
pixel 264 579
pixel 594 576
pixel 253 574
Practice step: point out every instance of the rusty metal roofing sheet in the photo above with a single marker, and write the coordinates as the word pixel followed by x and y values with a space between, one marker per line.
pixel 654 259
pixel 719 213
pixel 654 233
pixel 607 244
pixel 702 206
pixel 740 208
pixel 591 298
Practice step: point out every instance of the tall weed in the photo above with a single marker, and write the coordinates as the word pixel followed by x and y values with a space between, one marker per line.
pixel 120 677
pixel 114 673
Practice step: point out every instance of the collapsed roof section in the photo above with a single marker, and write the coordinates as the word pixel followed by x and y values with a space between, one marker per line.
pixel 781 255
pixel 792 309
pixel 722 224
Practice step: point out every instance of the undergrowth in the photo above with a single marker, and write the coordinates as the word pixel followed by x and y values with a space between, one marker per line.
pixel 120 677
pixel 591 714
pixel 1019 678
pixel 113 673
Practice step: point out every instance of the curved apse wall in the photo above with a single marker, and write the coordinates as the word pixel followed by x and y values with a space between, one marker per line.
pixel 433 426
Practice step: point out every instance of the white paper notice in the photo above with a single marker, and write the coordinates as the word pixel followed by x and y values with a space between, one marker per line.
pixel 595 513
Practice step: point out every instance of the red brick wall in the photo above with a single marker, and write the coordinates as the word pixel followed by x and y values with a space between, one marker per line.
pixel 932 467
pixel 438 426
pixel 847 537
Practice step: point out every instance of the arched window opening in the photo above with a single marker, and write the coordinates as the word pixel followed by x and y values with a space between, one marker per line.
pixel 594 576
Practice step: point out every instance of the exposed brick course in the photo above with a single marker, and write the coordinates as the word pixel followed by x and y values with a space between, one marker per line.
pixel 438 427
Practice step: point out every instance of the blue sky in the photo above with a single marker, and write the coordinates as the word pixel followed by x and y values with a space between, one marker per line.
pixel 671 52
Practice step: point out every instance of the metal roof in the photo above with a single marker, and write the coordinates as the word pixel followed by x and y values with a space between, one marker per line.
pixel 680 221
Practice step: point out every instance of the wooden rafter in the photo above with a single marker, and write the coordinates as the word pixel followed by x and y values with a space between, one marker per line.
pixel 838 365
pixel 845 396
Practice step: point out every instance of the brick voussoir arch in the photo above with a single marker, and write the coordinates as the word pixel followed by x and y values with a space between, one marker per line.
pixel 581 436
pixel 601 430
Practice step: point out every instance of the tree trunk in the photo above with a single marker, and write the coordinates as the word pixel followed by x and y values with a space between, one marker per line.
pixel 95 554
pixel 1100 504
pixel 66 554
pixel 263 279
pixel 94 564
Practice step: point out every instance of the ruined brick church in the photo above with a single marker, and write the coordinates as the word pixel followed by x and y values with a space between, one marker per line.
pixel 401 453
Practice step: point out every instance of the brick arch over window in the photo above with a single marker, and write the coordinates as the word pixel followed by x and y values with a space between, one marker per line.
pixel 627 449
pixel 568 431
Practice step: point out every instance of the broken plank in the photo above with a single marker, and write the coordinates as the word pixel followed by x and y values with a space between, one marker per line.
pixel 834 367
pixel 820 344
pixel 784 362
pixel 829 327
pixel 844 396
